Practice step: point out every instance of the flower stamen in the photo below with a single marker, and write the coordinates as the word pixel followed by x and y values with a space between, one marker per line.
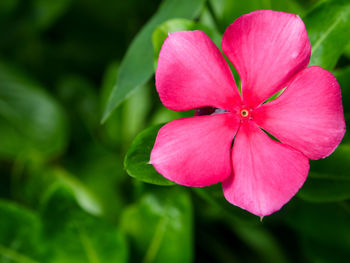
pixel 244 113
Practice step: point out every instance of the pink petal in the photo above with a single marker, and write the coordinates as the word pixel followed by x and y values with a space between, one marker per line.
pixel 266 173
pixel 308 115
pixel 192 73
pixel 267 48
pixel 195 151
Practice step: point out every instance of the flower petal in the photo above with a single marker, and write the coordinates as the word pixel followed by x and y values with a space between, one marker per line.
pixel 308 115
pixel 266 173
pixel 192 73
pixel 267 48
pixel 195 151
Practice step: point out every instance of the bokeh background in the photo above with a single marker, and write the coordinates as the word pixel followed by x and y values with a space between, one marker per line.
pixel 65 192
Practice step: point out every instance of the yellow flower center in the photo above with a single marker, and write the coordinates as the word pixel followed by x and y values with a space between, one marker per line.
pixel 244 113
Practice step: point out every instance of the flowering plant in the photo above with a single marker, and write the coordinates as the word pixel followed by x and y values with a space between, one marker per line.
pixel 225 140
pixel 79 112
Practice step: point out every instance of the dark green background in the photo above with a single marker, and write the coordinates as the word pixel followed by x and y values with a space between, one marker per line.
pixel 77 87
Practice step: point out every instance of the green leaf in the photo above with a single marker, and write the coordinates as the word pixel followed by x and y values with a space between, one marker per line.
pixel 160 227
pixel 137 159
pixel 328 27
pixel 124 125
pixel 208 24
pixel 329 179
pixel 20 231
pixel 137 65
pixel 30 119
pixel 73 236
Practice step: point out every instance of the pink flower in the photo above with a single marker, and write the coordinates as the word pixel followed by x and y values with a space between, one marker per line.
pixel 270 51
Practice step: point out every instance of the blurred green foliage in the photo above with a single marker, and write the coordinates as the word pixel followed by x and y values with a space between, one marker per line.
pixel 162 223
pixel 27 111
pixel 64 191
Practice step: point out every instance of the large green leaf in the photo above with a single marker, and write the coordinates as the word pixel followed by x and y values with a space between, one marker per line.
pixel 329 179
pixel 73 236
pixel 137 65
pixel 160 227
pixel 328 27
pixel 137 158
pixel 122 126
pixel 30 119
pixel 20 231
